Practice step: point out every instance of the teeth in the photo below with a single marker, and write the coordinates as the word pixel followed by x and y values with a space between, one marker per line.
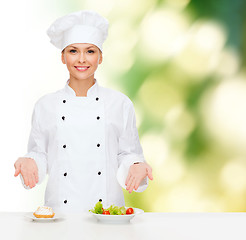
pixel 82 68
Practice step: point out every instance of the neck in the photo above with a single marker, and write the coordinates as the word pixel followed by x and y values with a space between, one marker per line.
pixel 81 86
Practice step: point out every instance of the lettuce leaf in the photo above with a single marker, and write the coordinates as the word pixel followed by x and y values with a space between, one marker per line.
pixel 98 209
pixel 114 210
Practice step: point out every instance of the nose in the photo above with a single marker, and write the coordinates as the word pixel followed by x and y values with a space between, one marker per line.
pixel 82 58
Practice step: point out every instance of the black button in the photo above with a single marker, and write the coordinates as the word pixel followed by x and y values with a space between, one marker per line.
pixel 65 174
pixel 97 99
pixel 64 146
pixel 98 145
pixel 65 201
pixel 100 200
pixel 64 101
pixel 98 118
pixel 63 118
pixel 99 173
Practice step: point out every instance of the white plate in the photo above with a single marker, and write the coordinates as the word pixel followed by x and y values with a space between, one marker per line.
pixel 117 218
pixel 32 217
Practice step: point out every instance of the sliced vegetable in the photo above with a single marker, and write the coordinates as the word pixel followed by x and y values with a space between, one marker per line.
pixel 106 212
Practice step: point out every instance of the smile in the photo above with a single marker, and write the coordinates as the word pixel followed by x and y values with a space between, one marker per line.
pixel 81 69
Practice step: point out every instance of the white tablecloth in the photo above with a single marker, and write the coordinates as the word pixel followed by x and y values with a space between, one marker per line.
pixel 151 226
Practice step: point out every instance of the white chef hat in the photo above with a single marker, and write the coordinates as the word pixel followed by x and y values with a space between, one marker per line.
pixel 79 27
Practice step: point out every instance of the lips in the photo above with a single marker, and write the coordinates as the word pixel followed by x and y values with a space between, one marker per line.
pixel 81 68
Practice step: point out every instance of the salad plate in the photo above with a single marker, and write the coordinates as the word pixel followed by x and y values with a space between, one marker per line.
pixel 117 218
pixel 33 218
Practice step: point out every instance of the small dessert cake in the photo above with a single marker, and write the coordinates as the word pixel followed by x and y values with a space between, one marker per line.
pixel 44 212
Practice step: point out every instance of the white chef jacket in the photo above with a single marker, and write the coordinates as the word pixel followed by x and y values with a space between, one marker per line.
pixel 81 143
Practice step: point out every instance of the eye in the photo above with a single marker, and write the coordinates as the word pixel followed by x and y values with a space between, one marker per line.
pixel 91 51
pixel 72 51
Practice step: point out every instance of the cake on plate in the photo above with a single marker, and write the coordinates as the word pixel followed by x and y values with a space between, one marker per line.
pixel 44 212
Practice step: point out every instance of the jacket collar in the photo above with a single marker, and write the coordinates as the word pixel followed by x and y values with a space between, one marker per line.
pixel 92 91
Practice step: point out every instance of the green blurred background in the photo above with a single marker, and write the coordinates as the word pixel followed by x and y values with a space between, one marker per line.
pixel 182 63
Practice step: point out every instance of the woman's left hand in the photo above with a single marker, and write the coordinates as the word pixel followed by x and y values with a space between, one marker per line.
pixel 137 172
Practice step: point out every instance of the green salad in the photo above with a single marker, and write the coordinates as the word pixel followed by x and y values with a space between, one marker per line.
pixel 112 210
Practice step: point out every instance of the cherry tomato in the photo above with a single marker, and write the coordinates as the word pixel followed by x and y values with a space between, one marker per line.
pixel 129 211
pixel 106 212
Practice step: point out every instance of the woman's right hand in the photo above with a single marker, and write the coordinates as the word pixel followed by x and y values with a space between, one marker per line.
pixel 27 167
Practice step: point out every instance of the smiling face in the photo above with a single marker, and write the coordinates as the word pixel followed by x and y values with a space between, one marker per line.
pixel 82 60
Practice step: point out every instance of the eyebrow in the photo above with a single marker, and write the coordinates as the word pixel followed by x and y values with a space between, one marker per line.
pixel 85 48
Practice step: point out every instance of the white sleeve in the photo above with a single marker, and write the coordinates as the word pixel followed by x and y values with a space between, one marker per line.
pixel 130 150
pixel 37 146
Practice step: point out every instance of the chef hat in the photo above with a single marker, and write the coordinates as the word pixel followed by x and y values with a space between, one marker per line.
pixel 79 27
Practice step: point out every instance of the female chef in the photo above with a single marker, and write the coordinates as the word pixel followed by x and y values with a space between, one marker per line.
pixel 83 136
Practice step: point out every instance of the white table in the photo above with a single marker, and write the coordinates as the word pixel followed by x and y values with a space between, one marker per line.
pixel 151 226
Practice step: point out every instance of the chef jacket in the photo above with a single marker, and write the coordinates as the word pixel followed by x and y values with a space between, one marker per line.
pixel 81 143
